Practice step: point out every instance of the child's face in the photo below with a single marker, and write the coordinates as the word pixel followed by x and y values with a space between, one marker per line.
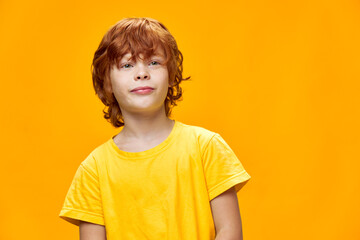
pixel 130 75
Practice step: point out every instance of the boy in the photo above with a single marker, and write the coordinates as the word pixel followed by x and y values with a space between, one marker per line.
pixel 158 178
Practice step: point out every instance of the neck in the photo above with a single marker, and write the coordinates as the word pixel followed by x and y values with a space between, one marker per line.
pixel 146 127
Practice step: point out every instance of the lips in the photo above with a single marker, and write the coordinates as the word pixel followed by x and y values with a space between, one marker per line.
pixel 141 88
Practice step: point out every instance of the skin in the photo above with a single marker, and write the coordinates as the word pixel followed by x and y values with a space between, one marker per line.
pixel 146 123
pixel 146 126
pixel 91 231
pixel 226 215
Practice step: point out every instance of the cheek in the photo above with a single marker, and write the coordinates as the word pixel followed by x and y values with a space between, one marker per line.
pixel 164 76
pixel 118 81
pixel 119 91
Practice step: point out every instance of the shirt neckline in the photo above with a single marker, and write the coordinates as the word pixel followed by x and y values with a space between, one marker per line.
pixel 149 152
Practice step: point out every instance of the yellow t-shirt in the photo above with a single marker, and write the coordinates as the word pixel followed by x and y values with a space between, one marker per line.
pixel 161 193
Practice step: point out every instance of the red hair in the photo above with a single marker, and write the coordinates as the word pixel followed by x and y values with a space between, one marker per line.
pixel 135 35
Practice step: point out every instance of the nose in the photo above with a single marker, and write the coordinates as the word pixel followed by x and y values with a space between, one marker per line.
pixel 142 74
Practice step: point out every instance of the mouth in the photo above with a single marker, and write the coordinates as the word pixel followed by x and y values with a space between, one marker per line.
pixel 145 88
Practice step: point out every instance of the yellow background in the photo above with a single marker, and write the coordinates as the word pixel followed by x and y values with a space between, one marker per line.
pixel 279 80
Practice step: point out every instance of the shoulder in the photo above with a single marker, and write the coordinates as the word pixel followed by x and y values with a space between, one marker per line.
pixel 201 134
pixel 207 140
pixel 93 159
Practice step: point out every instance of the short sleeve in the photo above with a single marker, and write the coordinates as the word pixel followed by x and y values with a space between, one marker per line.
pixel 83 199
pixel 222 168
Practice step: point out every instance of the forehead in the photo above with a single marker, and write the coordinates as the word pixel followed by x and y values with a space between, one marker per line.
pixel 158 52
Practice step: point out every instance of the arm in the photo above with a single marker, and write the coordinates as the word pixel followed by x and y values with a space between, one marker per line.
pixel 91 231
pixel 226 215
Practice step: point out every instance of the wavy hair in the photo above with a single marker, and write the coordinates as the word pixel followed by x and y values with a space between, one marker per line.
pixel 135 35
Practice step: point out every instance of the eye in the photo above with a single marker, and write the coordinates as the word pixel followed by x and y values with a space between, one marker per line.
pixel 125 65
pixel 156 63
